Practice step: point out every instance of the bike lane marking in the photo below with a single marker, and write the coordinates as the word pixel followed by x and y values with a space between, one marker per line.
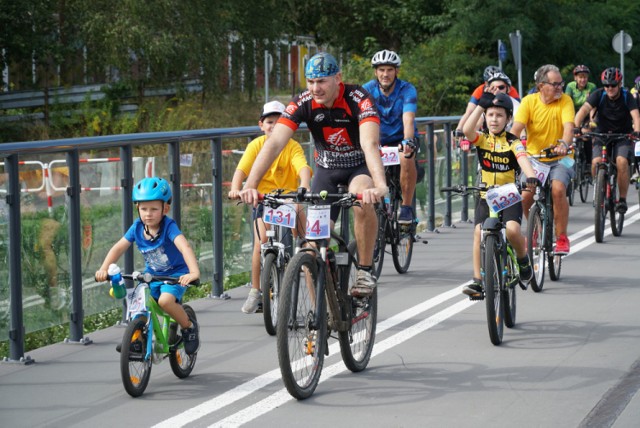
pixel 283 396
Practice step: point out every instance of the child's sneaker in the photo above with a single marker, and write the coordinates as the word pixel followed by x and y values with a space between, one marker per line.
pixel 191 338
pixel 253 300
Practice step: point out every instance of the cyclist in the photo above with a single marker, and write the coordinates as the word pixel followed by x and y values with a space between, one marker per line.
pixel 290 165
pixel 397 103
pixel 548 118
pixel 489 71
pixel 635 91
pixel 500 154
pixel 579 90
pixel 165 250
pixel 617 113
pixel 498 82
pixel 345 126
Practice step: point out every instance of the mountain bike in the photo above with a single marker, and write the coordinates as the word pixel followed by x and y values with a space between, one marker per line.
pixel 499 265
pixel 399 236
pixel 541 227
pixel 606 186
pixel 275 254
pixel 582 178
pixel 315 300
pixel 151 334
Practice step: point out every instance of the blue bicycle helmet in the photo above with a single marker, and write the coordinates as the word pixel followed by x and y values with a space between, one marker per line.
pixel 322 64
pixel 152 189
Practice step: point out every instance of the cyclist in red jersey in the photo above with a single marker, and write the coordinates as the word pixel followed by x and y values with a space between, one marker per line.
pixel 345 126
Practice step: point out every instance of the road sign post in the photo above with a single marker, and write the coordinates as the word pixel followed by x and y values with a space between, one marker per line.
pixel 622 44
pixel 516 47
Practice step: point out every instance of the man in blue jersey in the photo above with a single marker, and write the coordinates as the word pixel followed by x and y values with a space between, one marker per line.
pixel 397 103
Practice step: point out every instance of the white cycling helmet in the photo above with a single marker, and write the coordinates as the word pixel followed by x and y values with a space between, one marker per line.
pixel 386 57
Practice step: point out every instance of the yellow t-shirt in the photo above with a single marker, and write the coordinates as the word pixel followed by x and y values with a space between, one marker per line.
pixel 283 173
pixel 544 122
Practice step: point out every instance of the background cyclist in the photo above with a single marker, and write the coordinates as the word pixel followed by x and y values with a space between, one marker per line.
pixel 617 113
pixel 397 103
pixel 345 126
pixel 579 90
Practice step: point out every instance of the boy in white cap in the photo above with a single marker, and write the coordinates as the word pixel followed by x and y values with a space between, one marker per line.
pixel 284 173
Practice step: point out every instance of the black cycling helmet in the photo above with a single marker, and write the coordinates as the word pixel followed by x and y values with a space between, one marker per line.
pixel 504 101
pixel 611 76
pixel 491 69
pixel 581 69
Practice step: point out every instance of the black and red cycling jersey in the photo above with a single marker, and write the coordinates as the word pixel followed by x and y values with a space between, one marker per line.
pixel 335 130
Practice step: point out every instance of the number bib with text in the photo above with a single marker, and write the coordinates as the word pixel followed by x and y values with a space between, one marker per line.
pixel 136 300
pixel 499 198
pixel 637 148
pixel 541 169
pixel 390 155
pixel 284 215
pixel 318 222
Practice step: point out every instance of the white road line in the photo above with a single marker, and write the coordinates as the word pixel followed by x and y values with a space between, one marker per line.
pixel 282 396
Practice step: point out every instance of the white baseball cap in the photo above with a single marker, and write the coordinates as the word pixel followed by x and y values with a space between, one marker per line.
pixel 272 107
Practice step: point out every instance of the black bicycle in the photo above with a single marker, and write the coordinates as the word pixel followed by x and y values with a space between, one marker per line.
pixel 582 179
pixel 305 317
pixel 399 236
pixel 607 193
pixel 541 230
pixel 499 266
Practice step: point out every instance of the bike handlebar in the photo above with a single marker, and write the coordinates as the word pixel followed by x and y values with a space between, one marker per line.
pixel 301 196
pixel 148 278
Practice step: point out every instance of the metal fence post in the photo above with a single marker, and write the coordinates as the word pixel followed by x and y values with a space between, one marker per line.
pixel 447 151
pixel 75 243
pixel 174 178
pixel 464 177
pixel 217 287
pixel 431 161
pixel 126 182
pixel 16 326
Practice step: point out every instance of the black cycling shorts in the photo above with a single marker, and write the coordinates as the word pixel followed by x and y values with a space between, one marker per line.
pixel 513 213
pixel 329 179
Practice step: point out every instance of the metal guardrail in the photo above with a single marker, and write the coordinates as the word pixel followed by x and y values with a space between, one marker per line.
pixel 11 153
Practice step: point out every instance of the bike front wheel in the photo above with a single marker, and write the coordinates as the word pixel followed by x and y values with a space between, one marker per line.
pixel 134 369
pixel 535 247
pixel 182 363
pixel 270 286
pixel 600 212
pixel 401 245
pixel 381 242
pixel 356 344
pixel 300 345
pixel 583 181
pixel 492 290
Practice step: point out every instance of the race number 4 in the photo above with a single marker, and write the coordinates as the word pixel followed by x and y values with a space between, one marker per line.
pixel 318 222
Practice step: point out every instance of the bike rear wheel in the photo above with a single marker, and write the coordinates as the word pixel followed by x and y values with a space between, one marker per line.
pixel 571 191
pixel 401 241
pixel 270 286
pixel 600 212
pixel 134 369
pixel 356 344
pixel 493 295
pixel 182 363
pixel 554 261
pixel 509 292
pixel 301 348
pixel 535 247
pixel 583 180
pixel 616 218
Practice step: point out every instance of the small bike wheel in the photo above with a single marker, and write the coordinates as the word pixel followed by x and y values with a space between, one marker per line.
pixel 509 291
pixel 182 363
pixel 616 218
pixel 583 181
pixel 535 247
pixel 600 212
pixel 134 369
pixel 270 285
pixel 301 347
pixel 493 295
pixel 356 344
pixel 381 242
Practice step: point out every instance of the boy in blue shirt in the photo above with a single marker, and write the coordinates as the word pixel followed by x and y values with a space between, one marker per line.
pixel 166 251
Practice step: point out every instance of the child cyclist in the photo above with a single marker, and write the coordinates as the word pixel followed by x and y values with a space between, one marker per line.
pixel 290 165
pixel 166 251
pixel 500 153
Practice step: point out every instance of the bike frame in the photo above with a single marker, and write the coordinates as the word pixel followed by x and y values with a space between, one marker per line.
pixel 493 225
